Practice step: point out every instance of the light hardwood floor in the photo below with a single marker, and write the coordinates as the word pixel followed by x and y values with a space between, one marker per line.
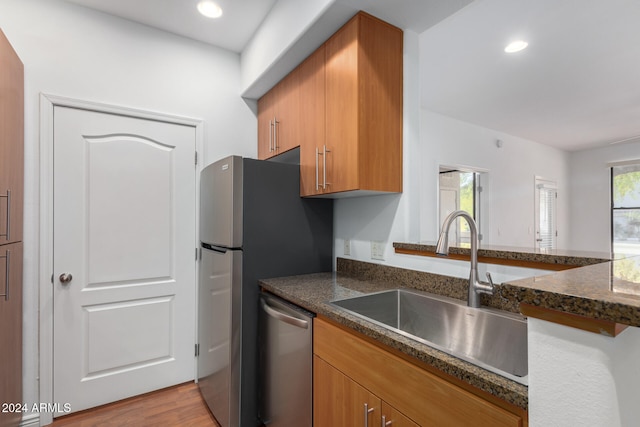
pixel 181 405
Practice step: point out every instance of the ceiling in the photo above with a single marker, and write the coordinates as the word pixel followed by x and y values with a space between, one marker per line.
pixel 576 86
pixel 231 32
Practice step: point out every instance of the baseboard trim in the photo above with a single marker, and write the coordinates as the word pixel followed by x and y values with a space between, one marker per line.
pixel 31 420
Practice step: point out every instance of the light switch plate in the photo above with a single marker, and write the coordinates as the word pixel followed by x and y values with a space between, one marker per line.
pixel 347 247
pixel 377 250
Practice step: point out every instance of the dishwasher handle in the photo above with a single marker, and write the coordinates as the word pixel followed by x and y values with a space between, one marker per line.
pixel 304 324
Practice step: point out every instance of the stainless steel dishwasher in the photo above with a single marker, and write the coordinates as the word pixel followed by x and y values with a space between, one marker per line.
pixel 286 362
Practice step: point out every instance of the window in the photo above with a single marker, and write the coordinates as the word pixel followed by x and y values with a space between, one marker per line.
pixel 460 190
pixel 625 208
pixel 546 198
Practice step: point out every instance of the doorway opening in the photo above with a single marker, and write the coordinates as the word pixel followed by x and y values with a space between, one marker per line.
pixel 545 215
pixel 461 188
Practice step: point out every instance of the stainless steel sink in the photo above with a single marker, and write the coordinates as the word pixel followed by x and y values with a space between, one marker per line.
pixel 494 340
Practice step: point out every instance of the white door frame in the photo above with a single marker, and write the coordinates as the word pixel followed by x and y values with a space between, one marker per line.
pixel 45 266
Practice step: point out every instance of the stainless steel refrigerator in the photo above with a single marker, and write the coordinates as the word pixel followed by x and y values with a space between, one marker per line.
pixel 253 225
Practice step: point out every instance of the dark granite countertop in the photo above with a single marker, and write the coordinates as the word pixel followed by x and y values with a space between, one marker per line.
pixel 314 292
pixel 608 291
pixel 544 256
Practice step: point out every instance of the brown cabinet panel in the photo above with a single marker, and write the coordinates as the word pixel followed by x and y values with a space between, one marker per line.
pixel 10 330
pixel 343 107
pixel 11 214
pixel 11 143
pixel 364 106
pixel 279 118
pixel 394 418
pixel 287 113
pixel 312 119
pixel 340 401
pixel 265 126
pixel 328 394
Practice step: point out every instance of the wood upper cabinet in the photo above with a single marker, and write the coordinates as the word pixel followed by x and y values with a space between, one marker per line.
pixel 350 371
pixel 343 107
pixel 278 118
pixel 312 117
pixel 11 143
pixel 363 108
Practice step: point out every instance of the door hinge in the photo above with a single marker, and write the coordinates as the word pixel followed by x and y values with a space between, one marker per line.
pixel 197 350
pixel 196 158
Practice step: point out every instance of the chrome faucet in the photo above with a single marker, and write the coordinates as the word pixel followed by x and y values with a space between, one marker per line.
pixel 476 287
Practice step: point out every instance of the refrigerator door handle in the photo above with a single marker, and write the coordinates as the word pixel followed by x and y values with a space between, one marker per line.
pixel 214 248
pixel 284 317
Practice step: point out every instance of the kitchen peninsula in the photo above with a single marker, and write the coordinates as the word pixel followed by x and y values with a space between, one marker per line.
pixel 567 365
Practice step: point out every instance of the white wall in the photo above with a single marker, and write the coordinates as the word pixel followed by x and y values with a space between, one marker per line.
pixel 285 24
pixel 71 51
pixel 511 171
pixel 579 378
pixel 433 140
pixel 591 194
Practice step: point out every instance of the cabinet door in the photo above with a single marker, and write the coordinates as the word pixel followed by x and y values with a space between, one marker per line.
pixel 391 417
pixel 266 114
pixel 341 77
pixel 11 332
pixel 287 113
pixel 11 143
pixel 328 394
pixel 341 402
pixel 362 408
pixel 312 119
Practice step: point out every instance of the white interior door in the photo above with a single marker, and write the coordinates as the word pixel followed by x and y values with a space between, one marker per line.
pixel 124 233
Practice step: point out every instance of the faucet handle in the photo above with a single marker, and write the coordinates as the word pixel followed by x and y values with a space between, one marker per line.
pixel 489 279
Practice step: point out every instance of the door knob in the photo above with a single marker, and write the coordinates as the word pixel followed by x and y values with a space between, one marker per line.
pixel 65 278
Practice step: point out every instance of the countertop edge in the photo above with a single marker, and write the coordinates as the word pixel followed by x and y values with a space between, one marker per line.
pixel 569 259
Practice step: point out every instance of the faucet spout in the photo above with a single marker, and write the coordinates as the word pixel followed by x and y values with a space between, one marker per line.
pixel 476 287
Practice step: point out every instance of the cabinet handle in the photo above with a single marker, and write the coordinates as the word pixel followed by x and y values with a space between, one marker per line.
pixel 324 167
pixel 270 135
pixel 275 133
pixel 8 219
pixel 385 422
pixel 367 411
pixel 317 179
pixel 7 260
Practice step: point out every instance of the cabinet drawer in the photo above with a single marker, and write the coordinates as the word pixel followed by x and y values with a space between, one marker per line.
pixel 420 395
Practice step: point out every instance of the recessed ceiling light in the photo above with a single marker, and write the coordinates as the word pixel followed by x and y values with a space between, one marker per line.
pixel 209 9
pixel 516 46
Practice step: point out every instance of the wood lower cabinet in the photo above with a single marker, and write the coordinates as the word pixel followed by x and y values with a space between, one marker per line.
pixel 10 331
pixel 350 371
pixel 340 401
pixel 11 214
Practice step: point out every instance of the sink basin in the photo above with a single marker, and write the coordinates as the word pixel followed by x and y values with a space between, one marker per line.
pixel 492 339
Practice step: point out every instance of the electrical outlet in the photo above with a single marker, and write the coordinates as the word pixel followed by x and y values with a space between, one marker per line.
pixel 377 250
pixel 347 247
